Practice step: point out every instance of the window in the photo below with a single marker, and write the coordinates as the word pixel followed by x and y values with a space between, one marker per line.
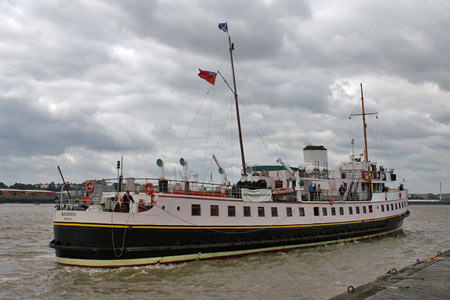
pixel 364 210
pixel 382 208
pixel 301 211
pixel 341 211
pixel 316 211
pixel 260 211
pixel 231 211
pixel 214 210
pixel 196 210
pixel 350 210
pixel 274 212
pixel 278 184
pixel 289 211
pixel 247 211
pixel 370 208
pixel 392 206
pixel 333 211
pixel 357 209
pixel 396 207
pixel 324 211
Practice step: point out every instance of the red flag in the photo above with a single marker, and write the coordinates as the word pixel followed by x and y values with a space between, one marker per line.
pixel 208 76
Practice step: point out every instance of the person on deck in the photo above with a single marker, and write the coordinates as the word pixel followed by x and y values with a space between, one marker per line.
pixel 342 190
pixel 127 198
pixel 311 192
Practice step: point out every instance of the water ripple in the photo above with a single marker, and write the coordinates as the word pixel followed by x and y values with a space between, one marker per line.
pixel 28 269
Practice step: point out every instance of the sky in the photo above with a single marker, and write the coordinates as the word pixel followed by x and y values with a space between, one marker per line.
pixel 84 83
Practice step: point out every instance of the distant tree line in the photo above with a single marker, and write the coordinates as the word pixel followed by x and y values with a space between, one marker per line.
pixel 52 186
pixel 428 196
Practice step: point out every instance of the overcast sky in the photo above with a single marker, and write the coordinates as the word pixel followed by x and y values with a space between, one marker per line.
pixel 86 82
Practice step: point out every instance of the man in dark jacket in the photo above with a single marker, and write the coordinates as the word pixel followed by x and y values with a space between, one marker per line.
pixel 127 198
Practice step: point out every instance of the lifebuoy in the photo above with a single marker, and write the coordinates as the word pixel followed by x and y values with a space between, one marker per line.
pixel 89 187
pixel 366 175
pixel 331 200
pixel 148 188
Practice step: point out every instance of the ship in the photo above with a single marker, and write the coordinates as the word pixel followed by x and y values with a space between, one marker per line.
pixel 275 207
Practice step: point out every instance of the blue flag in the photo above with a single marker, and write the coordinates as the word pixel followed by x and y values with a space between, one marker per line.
pixel 223 27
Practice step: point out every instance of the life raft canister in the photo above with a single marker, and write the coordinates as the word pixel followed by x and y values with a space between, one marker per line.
pixel 148 188
pixel 400 195
pixel 85 199
pixel 331 200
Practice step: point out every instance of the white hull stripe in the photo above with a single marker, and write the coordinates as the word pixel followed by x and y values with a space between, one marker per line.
pixel 221 227
pixel 199 256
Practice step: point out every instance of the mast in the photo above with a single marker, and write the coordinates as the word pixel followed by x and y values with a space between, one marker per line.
pixel 366 155
pixel 237 107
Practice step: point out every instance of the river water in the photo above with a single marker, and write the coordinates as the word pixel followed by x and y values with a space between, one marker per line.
pixel 28 269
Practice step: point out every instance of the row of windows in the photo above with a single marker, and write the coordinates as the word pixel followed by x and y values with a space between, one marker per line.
pixel 214 210
pixel 358 209
pixel 392 207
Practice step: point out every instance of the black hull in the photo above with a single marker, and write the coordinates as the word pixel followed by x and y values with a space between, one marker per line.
pixel 92 245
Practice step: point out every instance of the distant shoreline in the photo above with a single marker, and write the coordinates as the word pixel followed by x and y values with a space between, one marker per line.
pixel 27 201
pixel 427 202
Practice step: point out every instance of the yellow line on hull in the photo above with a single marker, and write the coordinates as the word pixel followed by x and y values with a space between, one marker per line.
pixel 199 256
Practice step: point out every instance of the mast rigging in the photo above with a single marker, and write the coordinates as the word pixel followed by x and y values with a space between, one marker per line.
pixel 364 114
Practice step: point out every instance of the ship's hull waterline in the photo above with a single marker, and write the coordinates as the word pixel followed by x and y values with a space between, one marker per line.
pixel 108 246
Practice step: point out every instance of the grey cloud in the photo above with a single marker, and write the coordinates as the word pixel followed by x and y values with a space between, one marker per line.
pixel 85 82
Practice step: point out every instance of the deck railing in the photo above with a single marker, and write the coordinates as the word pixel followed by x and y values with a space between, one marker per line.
pixel 96 189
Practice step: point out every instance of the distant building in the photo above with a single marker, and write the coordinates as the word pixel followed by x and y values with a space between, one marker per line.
pixel 26 196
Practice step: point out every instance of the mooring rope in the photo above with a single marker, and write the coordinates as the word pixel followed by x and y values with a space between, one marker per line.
pixel 124 235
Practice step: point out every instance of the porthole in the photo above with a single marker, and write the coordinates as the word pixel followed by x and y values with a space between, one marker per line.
pixel 163 207
pixel 178 208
